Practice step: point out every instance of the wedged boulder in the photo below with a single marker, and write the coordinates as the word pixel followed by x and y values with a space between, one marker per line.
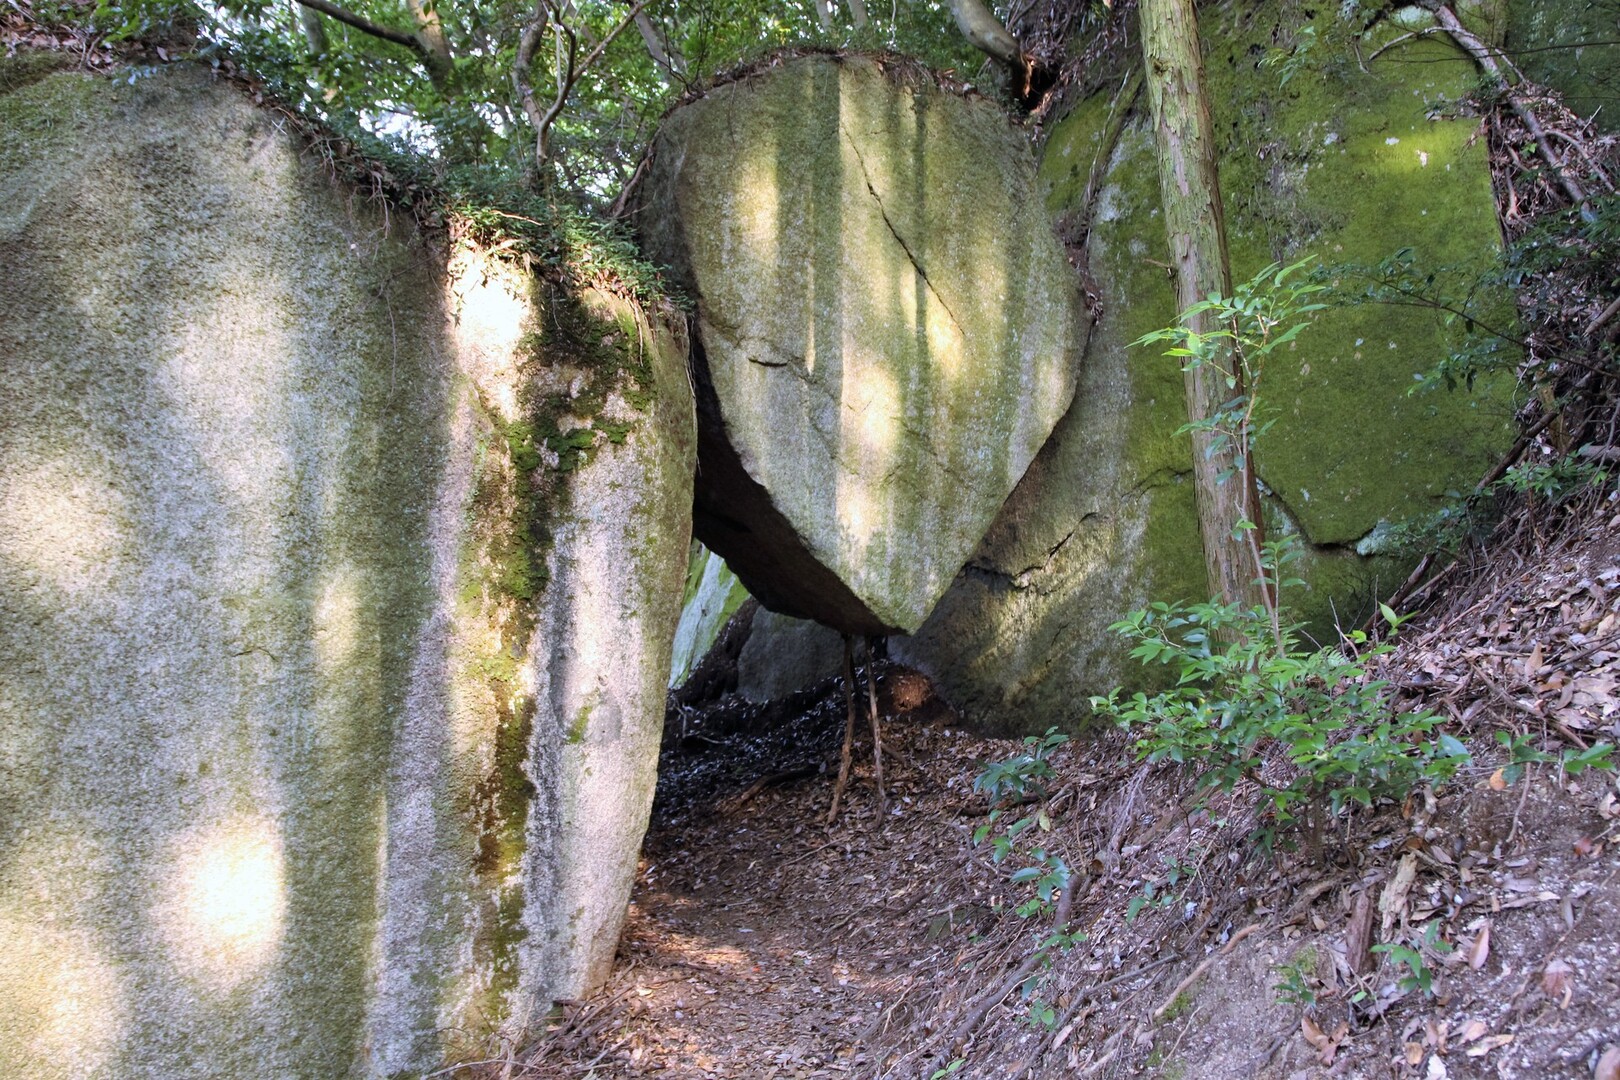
pixel 887 329
pixel 338 572
pixel 1341 163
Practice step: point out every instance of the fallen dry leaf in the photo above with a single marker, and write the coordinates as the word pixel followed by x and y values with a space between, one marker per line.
pixel 1485 1046
pixel 1498 781
pixel 1473 1030
pixel 1326 1045
pixel 1558 981
pixel 1414 1053
pixel 1587 847
pixel 1608 1066
pixel 1480 950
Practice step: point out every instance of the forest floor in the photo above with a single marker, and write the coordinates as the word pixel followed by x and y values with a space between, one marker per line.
pixel 763 943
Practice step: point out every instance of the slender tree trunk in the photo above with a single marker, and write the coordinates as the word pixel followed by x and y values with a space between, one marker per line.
pixel 671 65
pixel 436 49
pixel 309 20
pixel 1196 225
pixel 981 27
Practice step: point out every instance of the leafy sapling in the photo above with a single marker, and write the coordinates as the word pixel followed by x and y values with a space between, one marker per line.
pixel 1017 781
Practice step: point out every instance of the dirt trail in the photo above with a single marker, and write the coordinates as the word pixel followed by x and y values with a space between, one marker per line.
pixel 761 943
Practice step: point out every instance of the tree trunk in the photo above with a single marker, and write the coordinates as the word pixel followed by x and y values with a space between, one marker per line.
pixel 309 20
pixel 981 27
pixel 436 49
pixel 671 65
pixel 1196 225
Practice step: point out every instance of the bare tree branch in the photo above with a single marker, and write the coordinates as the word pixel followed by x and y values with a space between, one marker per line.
pixel 1487 59
pixel 528 42
pixel 670 62
pixel 981 27
pixel 366 26
pixel 568 69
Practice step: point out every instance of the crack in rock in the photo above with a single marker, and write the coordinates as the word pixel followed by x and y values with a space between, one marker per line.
pixel 884 213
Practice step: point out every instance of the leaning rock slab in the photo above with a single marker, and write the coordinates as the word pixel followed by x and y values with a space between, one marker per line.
pixel 337 580
pixel 887 329
pixel 713 595
pixel 1350 167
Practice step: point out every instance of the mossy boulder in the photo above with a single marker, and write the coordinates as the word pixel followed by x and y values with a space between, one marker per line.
pixel 332 688
pixel 887 329
pixel 1572 46
pixel 1345 164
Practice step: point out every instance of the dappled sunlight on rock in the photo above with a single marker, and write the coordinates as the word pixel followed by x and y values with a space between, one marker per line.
pixel 339 618
pixel 61 524
pixel 225 901
pixel 490 314
pixel 62 1010
pixel 867 358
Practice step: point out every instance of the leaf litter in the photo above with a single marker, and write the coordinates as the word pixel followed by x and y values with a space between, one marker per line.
pixel 760 943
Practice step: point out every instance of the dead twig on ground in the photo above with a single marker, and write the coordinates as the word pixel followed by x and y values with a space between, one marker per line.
pixel 1198 972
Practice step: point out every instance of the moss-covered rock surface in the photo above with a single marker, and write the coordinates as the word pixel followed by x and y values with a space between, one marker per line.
pixel 1572 46
pixel 888 328
pixel 713 595
pixel 1345 162
pixel 338 570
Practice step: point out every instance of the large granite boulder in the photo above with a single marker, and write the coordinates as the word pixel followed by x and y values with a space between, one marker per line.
pixel 887 329
pixel 338 571
pixel 1350 165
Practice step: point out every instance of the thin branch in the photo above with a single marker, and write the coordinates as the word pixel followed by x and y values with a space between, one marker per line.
pixel 1489 62
pixel 664 55
pixel 568 70
pixel 528 42
pixel 366 26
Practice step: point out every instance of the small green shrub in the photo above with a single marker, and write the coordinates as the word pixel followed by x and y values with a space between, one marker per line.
pixel 1573 760
pixel 1163 891
pixel 1557 480
pixel 1246 684
pixel 1015 781
pixel 1411 959
pixel 1239 694
pixel 1296 980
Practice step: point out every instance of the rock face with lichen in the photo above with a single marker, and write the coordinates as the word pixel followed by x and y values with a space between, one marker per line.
pixel 713 595
pixel 887 329
pixel 1345 164
pixel 338 572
